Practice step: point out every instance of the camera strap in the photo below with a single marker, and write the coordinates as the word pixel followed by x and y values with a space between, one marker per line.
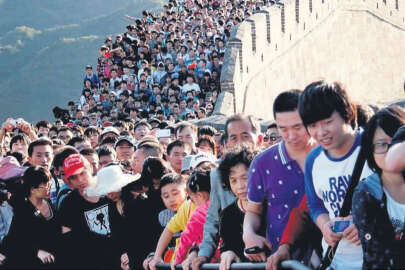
pixel 347 205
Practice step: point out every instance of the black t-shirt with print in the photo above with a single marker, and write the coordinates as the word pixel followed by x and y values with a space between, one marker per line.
pixel 90 238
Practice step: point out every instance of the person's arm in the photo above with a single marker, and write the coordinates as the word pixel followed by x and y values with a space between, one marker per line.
pixel 190 235
pixel 251 226
pixel 211 226
pixel 252 221
pixel 394 159
pixel 317 210
pixel 163 242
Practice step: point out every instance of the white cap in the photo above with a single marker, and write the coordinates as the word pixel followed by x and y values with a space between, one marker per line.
pixel 110 129
pixel 200 158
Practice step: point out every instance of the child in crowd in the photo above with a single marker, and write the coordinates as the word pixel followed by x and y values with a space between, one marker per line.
pixel 198 189
pixel 173 193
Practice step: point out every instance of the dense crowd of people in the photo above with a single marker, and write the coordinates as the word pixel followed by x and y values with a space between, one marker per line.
pixel 125 180
pixel 326 186
pixel 165 66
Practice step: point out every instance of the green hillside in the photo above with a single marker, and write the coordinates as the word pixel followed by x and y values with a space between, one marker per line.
pixel 45 44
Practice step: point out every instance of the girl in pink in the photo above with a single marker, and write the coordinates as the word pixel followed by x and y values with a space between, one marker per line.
pixel 198 188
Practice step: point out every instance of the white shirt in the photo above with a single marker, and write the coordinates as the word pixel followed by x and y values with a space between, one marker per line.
pixel 396 213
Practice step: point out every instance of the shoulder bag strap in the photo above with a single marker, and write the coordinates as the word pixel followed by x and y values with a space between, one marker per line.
pixel 347 205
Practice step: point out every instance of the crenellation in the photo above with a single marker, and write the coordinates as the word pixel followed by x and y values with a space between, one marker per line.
pixel 286 46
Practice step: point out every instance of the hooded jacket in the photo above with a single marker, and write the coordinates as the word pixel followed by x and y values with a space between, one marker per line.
pixel 381 250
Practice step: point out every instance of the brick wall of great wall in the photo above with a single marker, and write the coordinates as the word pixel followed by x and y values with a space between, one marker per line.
pixel 358 42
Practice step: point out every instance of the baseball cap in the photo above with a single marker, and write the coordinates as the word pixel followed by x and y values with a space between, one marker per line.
pixel 200 158
pixel 128 139
pixel 74 164
pixel 110 129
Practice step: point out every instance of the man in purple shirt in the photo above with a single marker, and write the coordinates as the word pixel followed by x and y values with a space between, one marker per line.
pixel 276 178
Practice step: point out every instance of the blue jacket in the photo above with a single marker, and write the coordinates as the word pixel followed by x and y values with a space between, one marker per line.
pixel 376 233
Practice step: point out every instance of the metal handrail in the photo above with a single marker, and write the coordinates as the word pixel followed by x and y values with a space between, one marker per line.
pixel 288 264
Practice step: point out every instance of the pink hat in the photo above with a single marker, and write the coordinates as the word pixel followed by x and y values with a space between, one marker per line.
pixel 10 168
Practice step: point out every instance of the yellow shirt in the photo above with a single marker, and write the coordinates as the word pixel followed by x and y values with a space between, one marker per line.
pixel 178 223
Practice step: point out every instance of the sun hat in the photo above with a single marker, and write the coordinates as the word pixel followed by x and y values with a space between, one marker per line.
pixel 110 179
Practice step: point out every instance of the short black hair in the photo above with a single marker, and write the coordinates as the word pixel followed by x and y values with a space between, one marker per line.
pixel 171 178
pixel 43 123
pixel 206 130
pixel 77 139
pixel 33 177
pixel 62 154
pixel 389 119
pixel 286 101
pixel 39 142
pixel 108 140
pixel 182 125
pixel 320 99
pixel 151 149
pixel 176 143
pixel 88 131
pixel 88 152
pixel 241 154
pixel 241 117
pixel 153 168
pixel 106 150
pixel 19 137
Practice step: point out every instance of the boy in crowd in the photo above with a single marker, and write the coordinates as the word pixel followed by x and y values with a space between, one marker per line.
pixel 40 153
pixel 176 151
pixel 328 114
pixel 187 133
pixel 106 155
pixel 125 148
pixel 173 193
pixel 144 150
pixel 91 155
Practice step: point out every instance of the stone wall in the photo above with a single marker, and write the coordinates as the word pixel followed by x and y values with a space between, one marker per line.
pixel 358 42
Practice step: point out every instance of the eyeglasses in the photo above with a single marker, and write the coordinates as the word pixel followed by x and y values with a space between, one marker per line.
pixel 381 147
pixel 274 138
pixel 47 187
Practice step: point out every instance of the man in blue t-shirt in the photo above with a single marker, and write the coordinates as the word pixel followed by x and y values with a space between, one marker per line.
pixel 329 116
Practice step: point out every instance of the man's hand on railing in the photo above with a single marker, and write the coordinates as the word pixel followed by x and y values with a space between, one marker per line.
pixel 282 253
pixel 253 240
pixel 227 258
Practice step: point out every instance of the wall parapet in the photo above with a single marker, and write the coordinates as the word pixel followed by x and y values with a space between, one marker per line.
pixel 269 33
